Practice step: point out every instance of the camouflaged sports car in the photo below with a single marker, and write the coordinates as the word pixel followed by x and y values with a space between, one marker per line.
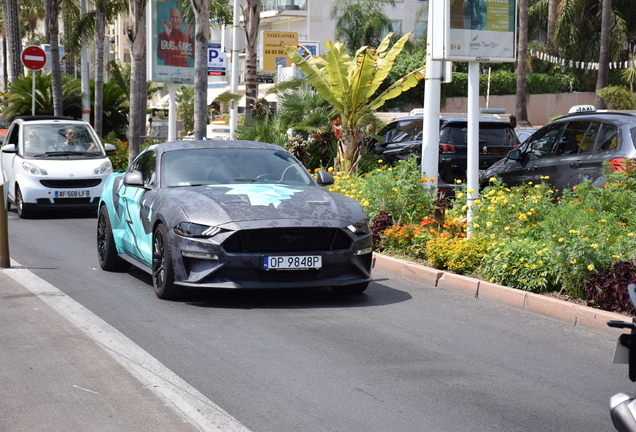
pixel 231 214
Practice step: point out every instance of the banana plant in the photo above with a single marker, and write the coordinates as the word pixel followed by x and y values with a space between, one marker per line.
pixel 350 85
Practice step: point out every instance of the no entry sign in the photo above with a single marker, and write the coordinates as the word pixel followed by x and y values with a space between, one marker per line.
pixel 33 57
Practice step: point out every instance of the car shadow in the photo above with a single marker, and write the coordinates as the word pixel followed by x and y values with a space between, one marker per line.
pixel 55 214
pixel 377 294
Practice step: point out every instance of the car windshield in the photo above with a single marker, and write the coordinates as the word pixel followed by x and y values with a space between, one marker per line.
pixel 197 167
pixel 49 140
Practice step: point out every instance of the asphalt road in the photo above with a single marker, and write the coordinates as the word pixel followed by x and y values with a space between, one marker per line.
pixel 401 357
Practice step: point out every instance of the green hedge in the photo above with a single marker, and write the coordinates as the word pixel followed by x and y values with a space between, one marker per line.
pixel 505 83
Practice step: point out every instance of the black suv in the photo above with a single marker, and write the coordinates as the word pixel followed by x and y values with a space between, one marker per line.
pixel 569 150
pixel 403 139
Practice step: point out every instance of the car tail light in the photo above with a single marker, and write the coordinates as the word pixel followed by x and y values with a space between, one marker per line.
pixel 622 165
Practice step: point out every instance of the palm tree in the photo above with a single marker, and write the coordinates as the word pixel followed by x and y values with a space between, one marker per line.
pixel 136 37
pixel 105 10
pixel 252 14
pixel 13 37
pixel 603 63
pixel 20 96
pixel 552 17
pixel 578 28
pixel 186 106
pixel 201 12
pixel 521 108
pixel 349 85
pixel 201 36
pixel 53 31
pixel 31 11
pixel 360 22
pixel 114 107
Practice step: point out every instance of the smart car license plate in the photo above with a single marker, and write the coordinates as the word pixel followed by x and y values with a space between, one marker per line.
pixel 304 262
pixel 73 194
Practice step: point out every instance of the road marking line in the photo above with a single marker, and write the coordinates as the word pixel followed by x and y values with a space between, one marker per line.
pixel 190 404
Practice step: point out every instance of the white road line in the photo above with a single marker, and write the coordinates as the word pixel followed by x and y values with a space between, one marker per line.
pixel 175 392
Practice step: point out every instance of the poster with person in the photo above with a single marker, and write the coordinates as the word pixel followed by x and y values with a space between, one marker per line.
pixel 480 30
pixel 171 51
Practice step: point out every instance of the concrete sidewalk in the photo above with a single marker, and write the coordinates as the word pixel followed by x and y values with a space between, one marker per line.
pixel 55 378
pixel 573 313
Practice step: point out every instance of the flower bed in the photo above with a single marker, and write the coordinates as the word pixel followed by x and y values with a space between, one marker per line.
pixel 522 237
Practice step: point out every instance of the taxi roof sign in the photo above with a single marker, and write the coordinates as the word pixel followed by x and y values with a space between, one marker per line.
pixel 582 108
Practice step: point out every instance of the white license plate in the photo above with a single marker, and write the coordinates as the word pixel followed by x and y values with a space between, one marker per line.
pixel 73 194
pixel 304 262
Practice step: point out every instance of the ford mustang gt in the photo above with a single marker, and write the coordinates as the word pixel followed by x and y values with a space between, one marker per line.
pixel 231 214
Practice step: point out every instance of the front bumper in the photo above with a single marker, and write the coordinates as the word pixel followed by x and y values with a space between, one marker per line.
pixel 203 263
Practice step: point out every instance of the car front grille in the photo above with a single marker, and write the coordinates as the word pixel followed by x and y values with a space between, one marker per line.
pixel 287 240
pixel 70 184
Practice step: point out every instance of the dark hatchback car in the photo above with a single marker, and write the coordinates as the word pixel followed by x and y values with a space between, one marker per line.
pixel 401 139
pixel 569 150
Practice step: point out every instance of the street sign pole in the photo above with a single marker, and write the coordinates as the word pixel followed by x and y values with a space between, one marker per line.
pixel 33 58
pixel 32 93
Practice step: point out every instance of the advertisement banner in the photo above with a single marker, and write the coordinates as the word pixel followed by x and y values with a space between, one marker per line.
pixel 170 44
pixel 479 30
pixel 273 49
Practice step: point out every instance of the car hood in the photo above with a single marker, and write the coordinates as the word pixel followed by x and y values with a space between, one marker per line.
pixel 220 204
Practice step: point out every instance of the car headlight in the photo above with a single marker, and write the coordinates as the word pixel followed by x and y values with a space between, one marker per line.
pixel 359 228
pixel 34 170
pixel 188 229
pixel 104 168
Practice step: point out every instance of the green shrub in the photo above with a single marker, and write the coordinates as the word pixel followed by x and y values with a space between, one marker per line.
pixel 617 98
pixel 521 263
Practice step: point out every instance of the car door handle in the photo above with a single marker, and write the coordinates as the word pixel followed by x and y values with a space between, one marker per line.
pixel 532 168
pixel 576 164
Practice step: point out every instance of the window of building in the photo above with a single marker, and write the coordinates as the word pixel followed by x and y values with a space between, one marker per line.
pixel 421 27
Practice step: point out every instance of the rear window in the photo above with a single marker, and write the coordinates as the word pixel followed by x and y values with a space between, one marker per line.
pixel 490 134
pixel 406 130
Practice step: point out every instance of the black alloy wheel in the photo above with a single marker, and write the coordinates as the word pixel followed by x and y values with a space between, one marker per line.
pixel 106 250
pixel 162 272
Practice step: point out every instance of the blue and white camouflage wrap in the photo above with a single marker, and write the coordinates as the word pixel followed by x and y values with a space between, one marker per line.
pixel 287 211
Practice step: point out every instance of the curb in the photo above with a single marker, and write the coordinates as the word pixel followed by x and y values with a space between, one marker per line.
pixel 575 314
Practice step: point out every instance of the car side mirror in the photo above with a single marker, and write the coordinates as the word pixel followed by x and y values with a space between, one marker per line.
pixel 324 178
pixel 514 155
pixel 9 148
pixel 134 178
pixel 109 148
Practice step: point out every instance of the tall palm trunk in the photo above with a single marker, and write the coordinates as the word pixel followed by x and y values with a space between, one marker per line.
pixel 202 31
pixel 252 20
pixel 13 38
pixel 603 61
pixel 100 29
pixel 521 102
pixel 56 72
pixel 552 16
pixel 136 36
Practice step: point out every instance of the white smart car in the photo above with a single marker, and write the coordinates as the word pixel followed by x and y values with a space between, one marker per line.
pixel 53 163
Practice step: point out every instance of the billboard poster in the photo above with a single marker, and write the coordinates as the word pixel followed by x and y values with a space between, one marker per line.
pixel 273 49
pixel 171 44
pixel 480 30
